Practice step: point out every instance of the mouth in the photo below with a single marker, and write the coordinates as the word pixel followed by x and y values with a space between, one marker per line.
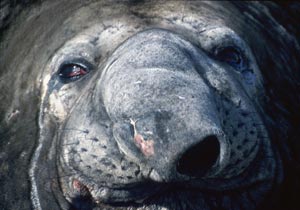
pixel 136 195
pixel 164 196
pixel 131 193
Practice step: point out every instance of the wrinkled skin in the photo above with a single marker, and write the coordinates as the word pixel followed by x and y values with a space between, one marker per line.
pixel 145 106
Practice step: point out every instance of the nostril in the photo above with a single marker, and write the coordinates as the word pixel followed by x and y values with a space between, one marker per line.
pixel 197 160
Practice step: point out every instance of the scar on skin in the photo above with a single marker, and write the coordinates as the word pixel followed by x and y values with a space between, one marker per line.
pixel 146 147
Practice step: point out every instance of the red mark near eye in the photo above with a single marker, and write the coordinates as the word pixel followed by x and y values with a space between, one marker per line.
pixel 77 71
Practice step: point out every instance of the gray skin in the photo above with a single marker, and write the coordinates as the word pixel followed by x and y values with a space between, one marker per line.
pixel 159 120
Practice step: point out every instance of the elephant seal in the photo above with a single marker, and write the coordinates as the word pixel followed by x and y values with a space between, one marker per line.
pixel 149 105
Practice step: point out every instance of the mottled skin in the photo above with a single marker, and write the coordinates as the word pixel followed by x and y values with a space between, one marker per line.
pixel 164 107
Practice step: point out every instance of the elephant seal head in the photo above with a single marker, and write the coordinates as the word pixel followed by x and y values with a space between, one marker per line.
pixel 160 115
pixel 163 115
pixel 152 106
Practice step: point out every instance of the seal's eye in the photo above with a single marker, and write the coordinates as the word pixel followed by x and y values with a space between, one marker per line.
pixel 69 72
pixel 230 55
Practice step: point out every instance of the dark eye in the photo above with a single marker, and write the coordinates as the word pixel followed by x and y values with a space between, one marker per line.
pixel 230 55
pixel 72 71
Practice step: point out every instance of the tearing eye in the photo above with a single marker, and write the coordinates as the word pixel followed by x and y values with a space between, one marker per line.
pixel 231 56
pixel 69 72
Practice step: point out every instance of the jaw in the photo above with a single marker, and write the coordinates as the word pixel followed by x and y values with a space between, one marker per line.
pixel 243 192
pixel 176 196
